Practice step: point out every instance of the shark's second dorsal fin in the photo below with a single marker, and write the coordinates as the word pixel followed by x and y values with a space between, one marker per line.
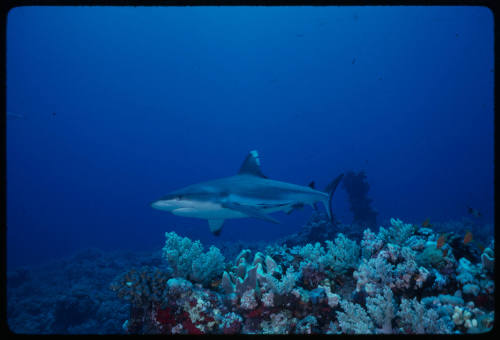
pixel 251 165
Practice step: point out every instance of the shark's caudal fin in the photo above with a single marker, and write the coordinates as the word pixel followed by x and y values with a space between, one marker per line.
pixel 251 165
pixel 330 189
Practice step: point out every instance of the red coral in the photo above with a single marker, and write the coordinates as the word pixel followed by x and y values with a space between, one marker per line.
pixel 190 327
pixel 312 277
pixel 233 328
pixel 257 312
pixel 484 301
pixel 325 309
pixel 165 316
pixel 206 317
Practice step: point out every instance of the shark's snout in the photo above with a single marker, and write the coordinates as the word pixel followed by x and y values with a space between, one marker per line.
pixel 167 205
pixel 154 204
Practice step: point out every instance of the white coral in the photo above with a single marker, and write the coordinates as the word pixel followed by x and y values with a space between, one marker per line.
pixel 354 319
pixel 247 300
pixel 418 319
pixel 381 309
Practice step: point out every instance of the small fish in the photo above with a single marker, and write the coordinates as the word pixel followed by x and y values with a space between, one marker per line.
pixel 353 61
pixel 474 212
pixel 445 252
pixel 441 241
pixel 426 223
pixel 215 283
pixel 467 237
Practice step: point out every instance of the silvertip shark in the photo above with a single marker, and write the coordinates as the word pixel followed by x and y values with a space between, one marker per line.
pixel 247 194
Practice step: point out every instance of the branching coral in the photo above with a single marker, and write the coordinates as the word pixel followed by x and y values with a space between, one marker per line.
pixel 308 289
pixel 279 323
pixel 488 259
pixel 341 256
pixel 142 287
pixel 207 266
pixel 354 319
pixel 382 310
pixel 338 257
pixel 306 325
pixel 399 232
pixel 372 275
pixel 283 286
pixel 370 244
pixel 189 261
pixel 416 318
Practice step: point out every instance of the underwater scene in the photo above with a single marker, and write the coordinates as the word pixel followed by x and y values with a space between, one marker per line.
pixel 250 170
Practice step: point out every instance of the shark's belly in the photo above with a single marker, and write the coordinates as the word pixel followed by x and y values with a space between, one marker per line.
pixel 209 211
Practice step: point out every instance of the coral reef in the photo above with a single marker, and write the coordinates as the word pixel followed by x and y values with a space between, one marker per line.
pixel 189 261
pixel 72 295
pixel 395 281
pixel 143 286
pixel 317 229
pixel 399 280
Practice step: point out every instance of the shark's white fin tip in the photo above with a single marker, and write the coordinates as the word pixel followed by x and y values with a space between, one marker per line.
pixel 255 154
pixel 251 165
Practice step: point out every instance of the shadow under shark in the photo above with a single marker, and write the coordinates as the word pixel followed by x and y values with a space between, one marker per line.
pixel 247 194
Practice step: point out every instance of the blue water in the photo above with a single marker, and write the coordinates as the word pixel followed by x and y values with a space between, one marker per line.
pixel 122 105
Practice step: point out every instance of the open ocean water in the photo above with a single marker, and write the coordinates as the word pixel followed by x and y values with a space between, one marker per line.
pixel 111 108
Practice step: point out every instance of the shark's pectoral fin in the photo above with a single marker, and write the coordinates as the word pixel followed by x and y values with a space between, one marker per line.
pixel 215 226
pixel 249 211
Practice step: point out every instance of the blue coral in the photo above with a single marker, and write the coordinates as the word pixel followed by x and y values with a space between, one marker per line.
pixel 189 261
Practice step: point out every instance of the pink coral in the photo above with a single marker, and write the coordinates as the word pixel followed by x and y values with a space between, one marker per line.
pixel 247 300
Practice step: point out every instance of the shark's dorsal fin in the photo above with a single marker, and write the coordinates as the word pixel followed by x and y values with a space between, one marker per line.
pixel 251 165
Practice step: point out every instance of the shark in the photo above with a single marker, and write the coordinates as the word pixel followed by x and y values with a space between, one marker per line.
pixel 249 193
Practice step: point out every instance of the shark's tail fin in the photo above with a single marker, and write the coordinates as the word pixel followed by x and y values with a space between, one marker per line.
pixel 330 189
